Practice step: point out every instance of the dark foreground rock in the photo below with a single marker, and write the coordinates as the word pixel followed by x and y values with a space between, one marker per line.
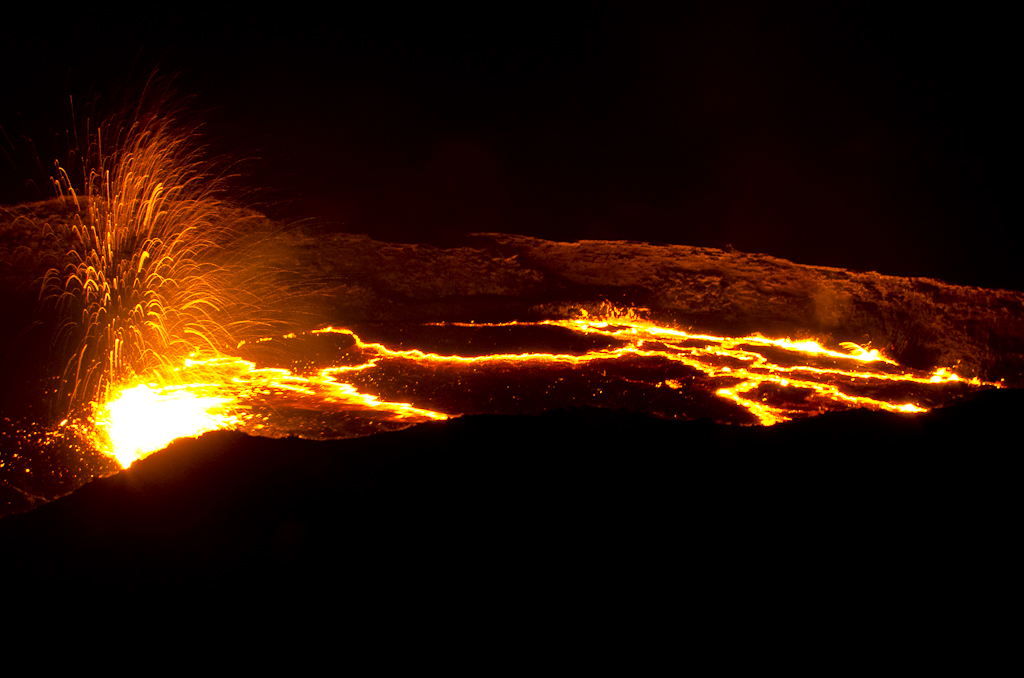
pixel 585 505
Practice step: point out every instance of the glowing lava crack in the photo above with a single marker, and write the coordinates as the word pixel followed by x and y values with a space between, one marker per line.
pixel 772 380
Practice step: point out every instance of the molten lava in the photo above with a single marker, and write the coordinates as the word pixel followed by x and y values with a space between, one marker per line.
pixel 628 360
pixel 142 419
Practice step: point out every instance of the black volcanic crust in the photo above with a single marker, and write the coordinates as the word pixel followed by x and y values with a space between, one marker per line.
pixel 573 498
pixel 920 322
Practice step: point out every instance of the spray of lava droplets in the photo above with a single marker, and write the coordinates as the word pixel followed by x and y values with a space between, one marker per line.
pixel 151 267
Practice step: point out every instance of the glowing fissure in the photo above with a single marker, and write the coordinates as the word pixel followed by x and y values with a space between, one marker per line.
pixel 228 392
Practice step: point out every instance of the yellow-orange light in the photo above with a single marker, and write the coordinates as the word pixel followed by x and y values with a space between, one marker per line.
pixel 227 392
pixel 143 419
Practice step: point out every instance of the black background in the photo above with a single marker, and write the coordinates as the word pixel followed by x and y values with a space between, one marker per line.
pixel 859 137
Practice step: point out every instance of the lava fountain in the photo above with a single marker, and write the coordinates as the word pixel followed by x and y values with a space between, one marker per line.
pixel 151 265
pixel 140 266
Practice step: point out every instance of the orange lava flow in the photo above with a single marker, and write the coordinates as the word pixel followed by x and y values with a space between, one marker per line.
pixel 144 418
pixel 232 393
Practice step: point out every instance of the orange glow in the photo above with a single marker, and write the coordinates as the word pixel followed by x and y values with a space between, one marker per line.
pixel 143 419
pixel 750 371
pixel 156 276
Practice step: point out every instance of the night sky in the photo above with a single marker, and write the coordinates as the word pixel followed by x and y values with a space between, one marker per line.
pixel 855 138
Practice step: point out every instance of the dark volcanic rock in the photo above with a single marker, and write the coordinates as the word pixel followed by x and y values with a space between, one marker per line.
pixel 584 494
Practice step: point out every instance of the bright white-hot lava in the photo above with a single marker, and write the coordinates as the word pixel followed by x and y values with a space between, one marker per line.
pixel 145 418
